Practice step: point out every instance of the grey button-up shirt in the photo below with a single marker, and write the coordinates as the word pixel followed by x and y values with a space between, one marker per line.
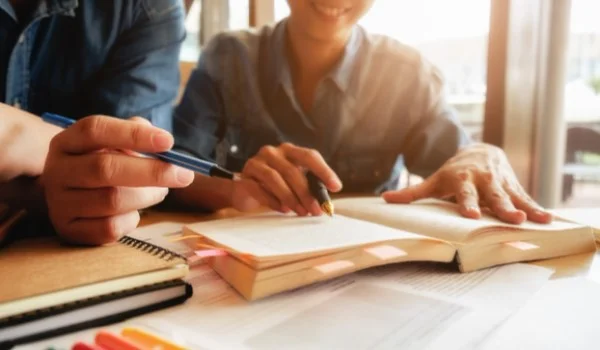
pixel 382 107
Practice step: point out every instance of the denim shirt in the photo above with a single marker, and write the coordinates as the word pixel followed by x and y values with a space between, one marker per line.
pixel 83 57
pixel 379 109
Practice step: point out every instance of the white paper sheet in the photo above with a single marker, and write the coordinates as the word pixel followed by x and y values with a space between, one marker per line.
pixel 563 315
pixel 409 306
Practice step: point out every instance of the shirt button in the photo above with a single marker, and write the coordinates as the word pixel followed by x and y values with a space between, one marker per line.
pixel 17 104
pixel 233 149
pixel 21 38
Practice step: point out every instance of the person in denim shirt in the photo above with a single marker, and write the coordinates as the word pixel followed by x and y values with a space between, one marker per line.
pixel 117 58
pixel 317 92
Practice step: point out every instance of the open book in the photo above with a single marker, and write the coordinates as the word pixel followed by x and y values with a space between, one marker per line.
pixel 270 252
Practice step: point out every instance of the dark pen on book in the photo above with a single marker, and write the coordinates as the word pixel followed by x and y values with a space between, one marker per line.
pixel 319 191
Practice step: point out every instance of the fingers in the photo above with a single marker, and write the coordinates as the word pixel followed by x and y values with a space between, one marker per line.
pixel 274 183
pixel 410 194
pixel 313 161
pixel 99 132
pixel 500 202
pixel 524 202
pixel 100 230
pixel 109 201
pixel 261 196
pixel 467 199
pixel 295 179
pixel 110 169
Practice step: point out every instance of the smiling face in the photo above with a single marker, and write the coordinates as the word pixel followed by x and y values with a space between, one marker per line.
pixel 327 19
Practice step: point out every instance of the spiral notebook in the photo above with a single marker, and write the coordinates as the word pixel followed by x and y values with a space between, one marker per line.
pixel 49 288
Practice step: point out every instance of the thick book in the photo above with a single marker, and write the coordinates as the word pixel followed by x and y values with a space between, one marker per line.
pixel 48 288
pixel 269 253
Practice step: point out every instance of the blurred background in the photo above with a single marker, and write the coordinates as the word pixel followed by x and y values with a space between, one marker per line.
pixel 522 74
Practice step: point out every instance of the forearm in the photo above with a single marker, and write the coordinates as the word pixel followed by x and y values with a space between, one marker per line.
pixel 205 193
pixel 25 140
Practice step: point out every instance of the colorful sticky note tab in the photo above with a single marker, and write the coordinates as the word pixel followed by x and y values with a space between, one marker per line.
pixel 385 252
pixel 522 245
pixel 149 340
pixel 334 266
pixel 110 341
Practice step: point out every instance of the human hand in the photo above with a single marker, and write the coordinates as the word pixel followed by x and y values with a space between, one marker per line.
pixel 276 178
pixel 94 182
pixel 479 173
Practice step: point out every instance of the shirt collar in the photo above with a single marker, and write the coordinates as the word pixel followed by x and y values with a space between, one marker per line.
pixel 340 74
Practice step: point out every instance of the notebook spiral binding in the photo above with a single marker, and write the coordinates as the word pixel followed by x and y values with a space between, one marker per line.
pixel 150 248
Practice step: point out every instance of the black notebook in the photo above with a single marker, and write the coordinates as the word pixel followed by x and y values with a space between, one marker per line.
pixel 49 288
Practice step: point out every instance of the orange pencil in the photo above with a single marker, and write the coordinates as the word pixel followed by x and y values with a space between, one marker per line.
pixel 149 340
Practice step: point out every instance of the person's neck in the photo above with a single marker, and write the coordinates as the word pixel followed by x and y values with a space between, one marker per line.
pixel 311 58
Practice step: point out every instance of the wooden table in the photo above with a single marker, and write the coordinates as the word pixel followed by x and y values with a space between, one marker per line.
pixel 582 265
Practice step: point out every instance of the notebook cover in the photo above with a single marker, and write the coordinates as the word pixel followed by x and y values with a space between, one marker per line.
pixel 104 321
pixel 43 265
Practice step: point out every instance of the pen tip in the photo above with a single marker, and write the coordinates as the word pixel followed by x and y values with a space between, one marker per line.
pixel 328 208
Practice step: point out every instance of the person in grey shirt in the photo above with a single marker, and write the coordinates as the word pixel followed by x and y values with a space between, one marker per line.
pixel 317 92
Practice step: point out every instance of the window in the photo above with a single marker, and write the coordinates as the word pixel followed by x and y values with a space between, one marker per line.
pixel 236 12
pixel 190 49
pixel 581 173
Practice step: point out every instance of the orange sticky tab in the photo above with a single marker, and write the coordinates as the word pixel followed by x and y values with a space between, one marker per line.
pixel 334 266
pixel 149 340
pixel 110 341
pixel 385 252
pixel 522 245
pixel 209 252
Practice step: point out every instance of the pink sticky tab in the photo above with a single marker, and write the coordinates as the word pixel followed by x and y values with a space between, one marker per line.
pixel 206 253
pixel 386 252
pixel 334 266
pixel 522 245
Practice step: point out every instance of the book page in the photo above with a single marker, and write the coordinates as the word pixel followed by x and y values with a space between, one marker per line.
pixel 431 217
pixel 273 234
pixel 585 216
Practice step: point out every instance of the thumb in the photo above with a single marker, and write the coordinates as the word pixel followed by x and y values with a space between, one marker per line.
pixel 410 194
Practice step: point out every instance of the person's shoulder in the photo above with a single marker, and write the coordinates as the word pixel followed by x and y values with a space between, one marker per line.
pixel 237 43
pixel 126 13
pixel 385 51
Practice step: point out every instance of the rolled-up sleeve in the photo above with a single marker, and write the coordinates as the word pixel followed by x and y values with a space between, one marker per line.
pixel 141 76
pixel 436 134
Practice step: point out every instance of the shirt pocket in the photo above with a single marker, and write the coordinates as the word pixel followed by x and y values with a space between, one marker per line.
pixel 365 172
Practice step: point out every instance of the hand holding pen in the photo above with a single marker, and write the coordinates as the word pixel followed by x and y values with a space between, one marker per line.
pixel 93 191
pixel 295 178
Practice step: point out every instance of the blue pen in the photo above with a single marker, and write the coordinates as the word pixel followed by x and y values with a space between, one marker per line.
pixel 198 165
